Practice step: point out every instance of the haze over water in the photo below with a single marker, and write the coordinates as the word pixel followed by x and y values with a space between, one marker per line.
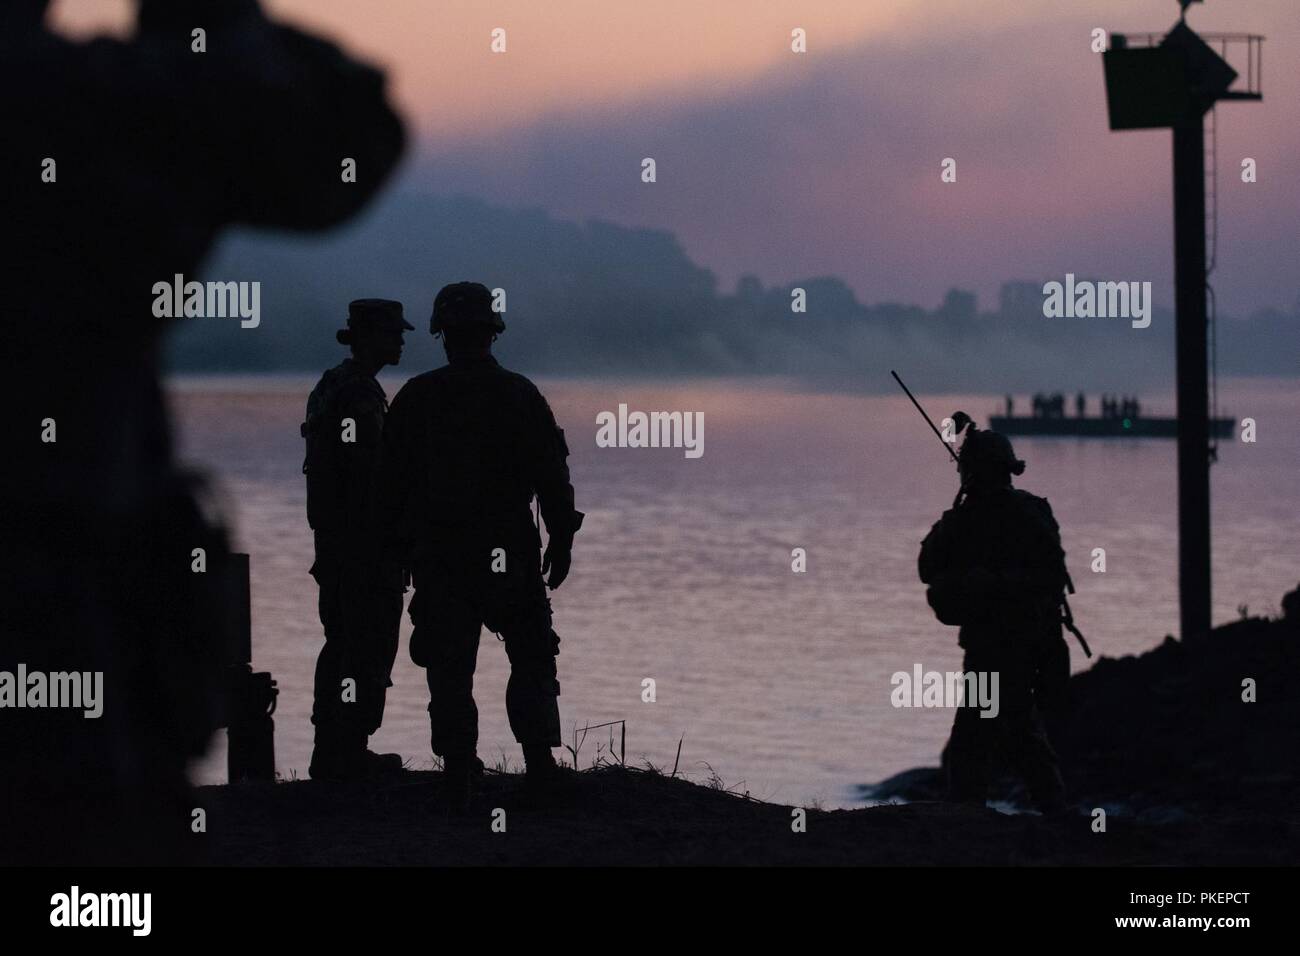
pixel 682 572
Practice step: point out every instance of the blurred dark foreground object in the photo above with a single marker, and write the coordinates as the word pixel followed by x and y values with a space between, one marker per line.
pixel 122 164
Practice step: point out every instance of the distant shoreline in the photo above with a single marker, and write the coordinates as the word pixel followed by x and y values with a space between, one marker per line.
pixel 292 379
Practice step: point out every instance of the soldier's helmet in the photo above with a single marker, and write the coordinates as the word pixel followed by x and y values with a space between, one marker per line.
pixel 373 315
pixel 464 305
pixel 988 451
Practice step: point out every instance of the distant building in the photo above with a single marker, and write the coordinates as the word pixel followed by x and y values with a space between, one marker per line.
pixel 959 304
pixel 1020 299
pixel 749 289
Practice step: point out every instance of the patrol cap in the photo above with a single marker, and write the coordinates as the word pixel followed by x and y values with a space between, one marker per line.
pixel 380 315
pixel 464 305
pixel 987 448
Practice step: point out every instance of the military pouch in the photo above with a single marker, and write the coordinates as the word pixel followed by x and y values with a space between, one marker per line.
pixel 947 605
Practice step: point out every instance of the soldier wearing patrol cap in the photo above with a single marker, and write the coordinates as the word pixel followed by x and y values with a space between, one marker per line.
pixel 466 447
pixel 995 566
pixel 360 591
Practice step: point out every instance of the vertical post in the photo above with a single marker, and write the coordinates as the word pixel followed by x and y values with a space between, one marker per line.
pixel 250 697
pixel 1193 395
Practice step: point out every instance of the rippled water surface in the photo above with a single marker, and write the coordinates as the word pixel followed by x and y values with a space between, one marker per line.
pixel 777 681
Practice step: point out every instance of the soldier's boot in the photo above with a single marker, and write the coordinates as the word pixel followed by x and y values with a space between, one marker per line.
pixel 967 760
pixel 331 757
pixel 367 722
pixel 372 764
pixel 342 755
pixel 1041 772
pixel 325 765
pixel 460 772
pixel 376 764
pixel 352 764
pixel 1047 789
pixel 541 773
pixel 533 710
pixel 471 765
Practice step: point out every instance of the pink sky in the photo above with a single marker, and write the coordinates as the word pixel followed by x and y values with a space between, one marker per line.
pixel 827 181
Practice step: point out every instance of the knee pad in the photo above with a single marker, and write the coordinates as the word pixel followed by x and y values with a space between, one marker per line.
pixel 533 648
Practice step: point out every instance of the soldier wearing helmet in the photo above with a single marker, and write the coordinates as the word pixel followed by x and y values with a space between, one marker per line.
pixel 994 566
pixel 360 589
pixel 466 448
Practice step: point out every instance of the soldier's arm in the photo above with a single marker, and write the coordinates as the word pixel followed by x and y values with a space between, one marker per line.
pixel 551 476
pixel 1058 576
pixel 1047 571
pixel 265 117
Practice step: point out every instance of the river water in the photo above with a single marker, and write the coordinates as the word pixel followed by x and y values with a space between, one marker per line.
pixel 777 681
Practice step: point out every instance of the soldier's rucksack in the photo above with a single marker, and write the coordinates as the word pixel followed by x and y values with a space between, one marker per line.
pixel 1013 534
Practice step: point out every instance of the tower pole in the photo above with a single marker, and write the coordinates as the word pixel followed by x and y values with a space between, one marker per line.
pixel 1193 392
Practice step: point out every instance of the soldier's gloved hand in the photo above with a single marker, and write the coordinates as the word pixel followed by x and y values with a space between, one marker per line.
pixel 556 560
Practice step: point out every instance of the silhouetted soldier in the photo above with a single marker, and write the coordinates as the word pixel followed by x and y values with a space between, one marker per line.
pixel 1080 405
pixel 994 566
pixel 360 587
pixel 123 162
pixel 466 448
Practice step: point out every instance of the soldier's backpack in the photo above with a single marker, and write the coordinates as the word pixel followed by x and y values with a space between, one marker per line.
pixel 1012 535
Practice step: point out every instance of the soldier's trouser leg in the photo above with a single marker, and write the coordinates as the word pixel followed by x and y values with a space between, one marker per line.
pixel 1033 757
pixel 1017 733
pixel 969 753
pixel 382 636
pixel 361 624
pixel 445 643
pixel 533 690
pixel 976 739
pixel 333 732
pixel 521 614
pixel 1022 734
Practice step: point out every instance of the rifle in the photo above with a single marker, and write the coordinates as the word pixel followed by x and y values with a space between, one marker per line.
pixel 1067 617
